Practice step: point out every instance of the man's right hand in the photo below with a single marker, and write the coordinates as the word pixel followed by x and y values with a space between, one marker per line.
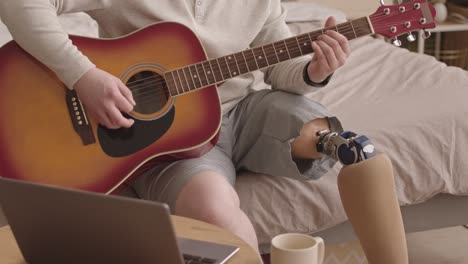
pixel 105 97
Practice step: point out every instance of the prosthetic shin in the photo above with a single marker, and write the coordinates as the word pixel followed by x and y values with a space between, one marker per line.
pixel 367 191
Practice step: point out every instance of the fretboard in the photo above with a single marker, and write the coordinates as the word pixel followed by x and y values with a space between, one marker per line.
pixel 213 71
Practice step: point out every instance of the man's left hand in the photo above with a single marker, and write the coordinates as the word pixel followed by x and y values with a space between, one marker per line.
pixel 331 51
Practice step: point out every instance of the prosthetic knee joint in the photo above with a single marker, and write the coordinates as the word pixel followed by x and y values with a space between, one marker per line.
pixel 346 147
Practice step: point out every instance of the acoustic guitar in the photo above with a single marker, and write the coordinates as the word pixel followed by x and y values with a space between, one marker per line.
pixel 47 137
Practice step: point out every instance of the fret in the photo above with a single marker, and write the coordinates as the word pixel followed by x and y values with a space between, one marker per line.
pixel 306 46
pixel 310 38
pixel 352 26
pixel 246 62
pixel 270 56
pixel 293 48
pixel 259 57
pixel 299 45
pixel 233 68
pixel 345 30
pixel 194 75
pixel 224 68
pixel 360 28
pixel 190 81
pixel 275 53
pixel 314 35
pixel 280 48
pixel 184 81
pixel 251 59
pixel 201 74
pixel 286 48
pixel 241 63
pixel 197 76
pixel 181 84
pixel 175 82
pixel 209 72
pixel 337 29
pixel 218 73
pixel 233 58
pixel 265 56
pixel 168 79
pixel 367 28
pixel 228 68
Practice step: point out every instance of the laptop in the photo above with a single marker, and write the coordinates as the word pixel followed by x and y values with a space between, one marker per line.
pixel 56 225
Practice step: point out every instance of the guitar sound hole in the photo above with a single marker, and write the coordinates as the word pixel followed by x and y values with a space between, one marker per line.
pixel 149 91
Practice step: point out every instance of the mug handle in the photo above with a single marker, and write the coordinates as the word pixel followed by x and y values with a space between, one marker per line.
pixel 321 250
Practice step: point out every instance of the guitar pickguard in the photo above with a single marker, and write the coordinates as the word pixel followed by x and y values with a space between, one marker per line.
pixel 126 141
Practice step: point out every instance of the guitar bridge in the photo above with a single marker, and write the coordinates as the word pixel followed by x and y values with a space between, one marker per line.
pixel 79 119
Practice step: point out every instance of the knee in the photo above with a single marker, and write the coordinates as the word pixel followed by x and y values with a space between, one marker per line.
pixel 208 197
pixel 311 128
pixel 304 146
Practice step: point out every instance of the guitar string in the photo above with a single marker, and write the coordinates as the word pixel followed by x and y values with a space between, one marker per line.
pixel 349 29
pixel 148 87
pixel 203 67
pixel 149 94
pixel 294 49
pixel 248 61
pixel 374 18
pixel 150 99
pixel 208 80
pixel 158 94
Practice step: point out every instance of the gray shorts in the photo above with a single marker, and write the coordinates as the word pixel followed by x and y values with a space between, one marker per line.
pixel 255 136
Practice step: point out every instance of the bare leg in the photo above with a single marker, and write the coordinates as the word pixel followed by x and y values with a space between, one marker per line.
pixel 303 147
pixel 210 198
pixel 368 196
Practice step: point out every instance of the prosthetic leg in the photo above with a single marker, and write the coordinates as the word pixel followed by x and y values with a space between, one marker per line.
pixel 367 191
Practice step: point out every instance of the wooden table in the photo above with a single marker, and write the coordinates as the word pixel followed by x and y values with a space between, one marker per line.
pixel 185 227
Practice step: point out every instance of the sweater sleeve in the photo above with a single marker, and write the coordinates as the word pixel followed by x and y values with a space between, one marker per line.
pixel 34 25
pixel 288 75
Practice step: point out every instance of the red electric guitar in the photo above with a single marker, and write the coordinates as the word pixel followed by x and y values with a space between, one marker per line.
pixel 47 137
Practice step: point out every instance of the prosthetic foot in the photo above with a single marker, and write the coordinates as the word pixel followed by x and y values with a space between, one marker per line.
pixel 367 191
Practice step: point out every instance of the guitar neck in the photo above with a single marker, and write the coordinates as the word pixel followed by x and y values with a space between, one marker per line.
pixel 209 72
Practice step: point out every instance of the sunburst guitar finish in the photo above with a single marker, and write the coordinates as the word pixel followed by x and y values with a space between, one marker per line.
pixel 47 137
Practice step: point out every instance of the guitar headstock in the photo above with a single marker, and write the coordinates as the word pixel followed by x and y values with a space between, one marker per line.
pixel 396 20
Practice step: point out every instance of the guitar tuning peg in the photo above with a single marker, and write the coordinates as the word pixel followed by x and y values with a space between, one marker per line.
pixel 411 37
pixel 396 42
pixel 427 34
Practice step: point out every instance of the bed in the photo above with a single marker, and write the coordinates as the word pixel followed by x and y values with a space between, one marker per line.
pixel 410 105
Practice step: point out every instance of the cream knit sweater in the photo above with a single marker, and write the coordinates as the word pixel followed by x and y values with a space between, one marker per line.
pixel 223 26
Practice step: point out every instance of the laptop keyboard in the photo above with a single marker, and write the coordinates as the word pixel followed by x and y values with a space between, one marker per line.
pixel 190 259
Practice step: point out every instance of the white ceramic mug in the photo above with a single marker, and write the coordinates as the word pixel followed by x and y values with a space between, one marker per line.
pixel 295 248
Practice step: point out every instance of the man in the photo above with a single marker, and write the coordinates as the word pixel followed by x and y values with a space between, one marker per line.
pixel 271 131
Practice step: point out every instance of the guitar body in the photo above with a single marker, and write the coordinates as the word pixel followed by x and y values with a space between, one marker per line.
pixel 46 136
